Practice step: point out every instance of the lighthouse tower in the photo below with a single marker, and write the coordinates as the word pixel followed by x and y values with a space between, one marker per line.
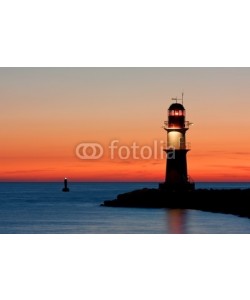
pixel 177 178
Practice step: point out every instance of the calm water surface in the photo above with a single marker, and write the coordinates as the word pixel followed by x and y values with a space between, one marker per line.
pixel 42 208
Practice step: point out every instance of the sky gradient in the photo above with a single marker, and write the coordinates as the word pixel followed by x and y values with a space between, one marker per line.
pixel 46 112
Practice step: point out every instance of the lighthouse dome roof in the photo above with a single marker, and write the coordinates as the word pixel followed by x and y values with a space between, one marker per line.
pixel 176 106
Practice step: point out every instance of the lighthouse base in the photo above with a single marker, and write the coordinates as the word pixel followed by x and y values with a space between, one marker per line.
pixel 172 187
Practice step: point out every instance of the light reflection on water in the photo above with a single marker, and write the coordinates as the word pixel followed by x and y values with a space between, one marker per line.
pixel 176 220
pixel 181 221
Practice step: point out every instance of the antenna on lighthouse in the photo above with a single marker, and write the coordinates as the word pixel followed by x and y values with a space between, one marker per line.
pixel 176 99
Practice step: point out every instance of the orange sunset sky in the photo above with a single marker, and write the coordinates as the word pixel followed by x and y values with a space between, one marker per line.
pixel 46 112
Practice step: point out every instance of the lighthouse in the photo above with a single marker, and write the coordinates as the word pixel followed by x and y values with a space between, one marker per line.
pixel 177 178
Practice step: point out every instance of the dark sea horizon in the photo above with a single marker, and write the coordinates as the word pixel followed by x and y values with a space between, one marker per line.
pixel 42 208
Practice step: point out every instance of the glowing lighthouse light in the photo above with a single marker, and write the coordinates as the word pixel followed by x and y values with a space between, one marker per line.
pixel 176 168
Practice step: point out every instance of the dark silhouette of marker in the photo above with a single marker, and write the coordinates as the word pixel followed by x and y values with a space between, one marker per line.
pixel 65 189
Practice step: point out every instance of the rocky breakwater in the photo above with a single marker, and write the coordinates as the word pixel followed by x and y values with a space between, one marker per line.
pixel 230 201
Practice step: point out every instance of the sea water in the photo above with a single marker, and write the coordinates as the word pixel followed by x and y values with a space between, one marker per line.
pixel 42 208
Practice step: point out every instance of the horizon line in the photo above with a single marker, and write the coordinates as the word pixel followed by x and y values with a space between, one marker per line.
pixel 76 181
